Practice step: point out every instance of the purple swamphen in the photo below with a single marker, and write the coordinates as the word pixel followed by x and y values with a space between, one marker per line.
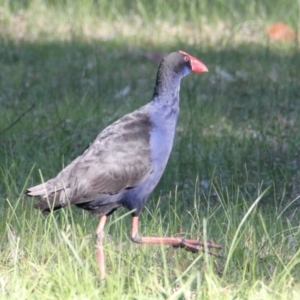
pixel 123 165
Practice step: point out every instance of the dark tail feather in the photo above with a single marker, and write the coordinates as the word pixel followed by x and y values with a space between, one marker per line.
pixel 53 201
pixel 46 205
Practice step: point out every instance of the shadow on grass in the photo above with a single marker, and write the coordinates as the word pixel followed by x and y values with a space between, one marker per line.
pixel 240 121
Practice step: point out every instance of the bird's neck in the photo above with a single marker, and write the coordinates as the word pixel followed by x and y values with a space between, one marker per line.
pixel 167 86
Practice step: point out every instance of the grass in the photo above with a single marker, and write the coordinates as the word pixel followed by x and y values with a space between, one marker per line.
pixel 70 68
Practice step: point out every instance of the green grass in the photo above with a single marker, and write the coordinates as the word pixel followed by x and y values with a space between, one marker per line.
pixel 233 174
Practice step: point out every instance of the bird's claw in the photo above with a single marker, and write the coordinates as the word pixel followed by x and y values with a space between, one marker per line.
pixel 199 246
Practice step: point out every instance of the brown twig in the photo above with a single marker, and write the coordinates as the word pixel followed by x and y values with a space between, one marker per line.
pixel 17 120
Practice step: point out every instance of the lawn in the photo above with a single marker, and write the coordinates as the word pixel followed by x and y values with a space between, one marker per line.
pixel 70 68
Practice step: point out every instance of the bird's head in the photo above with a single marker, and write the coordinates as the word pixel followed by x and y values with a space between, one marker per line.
pixel 193 63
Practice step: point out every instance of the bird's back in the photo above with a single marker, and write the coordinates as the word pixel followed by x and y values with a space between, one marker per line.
pixel 118 159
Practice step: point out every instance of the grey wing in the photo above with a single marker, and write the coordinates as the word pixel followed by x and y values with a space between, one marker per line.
pixel 115 169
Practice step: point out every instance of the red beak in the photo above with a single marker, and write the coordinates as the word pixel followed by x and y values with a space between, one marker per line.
pixel 196 64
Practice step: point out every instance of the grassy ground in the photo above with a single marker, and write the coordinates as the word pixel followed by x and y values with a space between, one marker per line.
pixel 70 68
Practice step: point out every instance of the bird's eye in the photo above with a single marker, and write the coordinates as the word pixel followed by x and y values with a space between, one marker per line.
pixel 186 58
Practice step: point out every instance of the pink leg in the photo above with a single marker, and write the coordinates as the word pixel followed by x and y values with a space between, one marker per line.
pixel 99 246
pixel 189 245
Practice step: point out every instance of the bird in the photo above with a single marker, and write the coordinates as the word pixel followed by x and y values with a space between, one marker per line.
pixel 125 162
